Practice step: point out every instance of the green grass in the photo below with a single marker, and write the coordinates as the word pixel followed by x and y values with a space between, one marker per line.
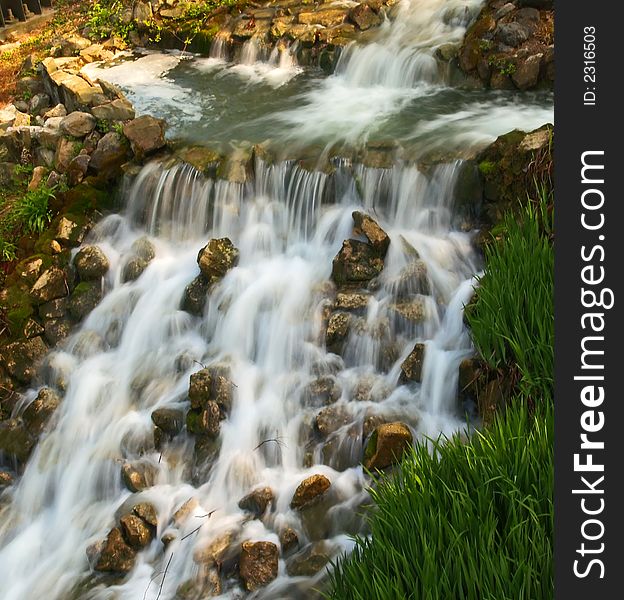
pixel 471 521
pixel 23 211
pixel 512 318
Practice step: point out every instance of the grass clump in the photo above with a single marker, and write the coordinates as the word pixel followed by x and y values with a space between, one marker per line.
pixel 512 318
pixel 468 520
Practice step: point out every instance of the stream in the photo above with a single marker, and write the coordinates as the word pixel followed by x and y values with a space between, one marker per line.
pixel 264 321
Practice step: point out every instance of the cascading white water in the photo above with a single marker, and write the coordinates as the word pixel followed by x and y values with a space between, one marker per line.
pixel 136 351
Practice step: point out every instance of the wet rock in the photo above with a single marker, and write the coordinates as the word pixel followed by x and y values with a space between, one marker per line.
pixel 85 297
pixel 170 420
pixel 78 124
pixel 91 263
pixel 288 539
pixel 135 531
pixel 338 328
pixel 146 135
pixel 207 585
pixel 15 440
pixel 39 411
pixel 411 368
pixel 146 512
pixel 376 236
pixel 413 312
pixel 6 479
pixel 116 555
pixel 204 421
pixel 217 258
pixel 77 169
pixel 258 564
pixel 110 153
pixel 215 550
pixel 202 158
pixel 195 295
pixel 257 501
pixel 322 391
pixel 21 359
pixel 211 384
pixel 357 262
pixel 352 301
pixel 133 269
pixel 137 477
pixel 310 491
pixel 387 445
pixel 309 561
pixel 52 284
pixel 364 17
pixel 117 110
pixel 331 419
pixel 413 279
pixel 144 249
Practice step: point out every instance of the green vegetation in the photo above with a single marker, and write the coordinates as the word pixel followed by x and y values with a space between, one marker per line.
pixel 106 19
pixel 474 519
pixel 23 211
pixel 512 321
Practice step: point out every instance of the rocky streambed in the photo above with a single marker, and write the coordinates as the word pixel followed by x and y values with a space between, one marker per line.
pixel 215 346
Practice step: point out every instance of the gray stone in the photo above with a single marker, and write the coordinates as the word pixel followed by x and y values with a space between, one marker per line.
pixel 78 124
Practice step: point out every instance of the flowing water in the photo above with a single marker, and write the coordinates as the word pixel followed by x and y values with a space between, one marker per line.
pixel 264 321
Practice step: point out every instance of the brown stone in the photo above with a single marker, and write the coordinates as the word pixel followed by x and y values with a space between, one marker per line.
pixel 411 369
pixel 39 411
pixel 116 555
pixel 357 262
pixel 147 512
pixel 135 531
pixel 368 227
pixel 91 263
pixel 257 501
pixel 258 564
pixel 309 491
pixel 146 135
pixel 217 258
pixel 387 445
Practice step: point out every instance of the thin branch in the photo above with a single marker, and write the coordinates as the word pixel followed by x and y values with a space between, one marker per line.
pixel 163 573
pixel 160 589
pixel 278 440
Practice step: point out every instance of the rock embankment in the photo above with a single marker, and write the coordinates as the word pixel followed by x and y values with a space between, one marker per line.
pixel 314 29
pixel 511 45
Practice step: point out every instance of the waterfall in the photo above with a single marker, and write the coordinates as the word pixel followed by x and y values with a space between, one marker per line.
pixel 264 324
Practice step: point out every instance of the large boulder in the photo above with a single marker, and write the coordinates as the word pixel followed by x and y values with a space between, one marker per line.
pixel 387 445
pixel 117 110
pixel 21 359
pixel 91 263
pixel 78 124
pixel 411 368
pixel 258 564
pixel 85 297
pixel 116 555
pixel 310 491
pixel 146 135
pixel 39 411
pixel 376 236
pixel 357 262
pixel 204 421
pixel 257 501
pixel 52 284
pixel 364 17
pixel 217 258
pixel 136 532
pixel 15 440
pixel 170 420
pixel 110 153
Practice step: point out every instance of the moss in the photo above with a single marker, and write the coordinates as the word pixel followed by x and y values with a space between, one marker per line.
pixel 487 167
pixel 371 446
pixel 84 287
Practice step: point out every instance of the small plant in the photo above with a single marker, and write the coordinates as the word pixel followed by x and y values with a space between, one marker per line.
pixel 106 19
pixel 8 251
pixel 485 45
pixel 503 65
pixel 118 128
pixel 32 210
pixel 103 126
